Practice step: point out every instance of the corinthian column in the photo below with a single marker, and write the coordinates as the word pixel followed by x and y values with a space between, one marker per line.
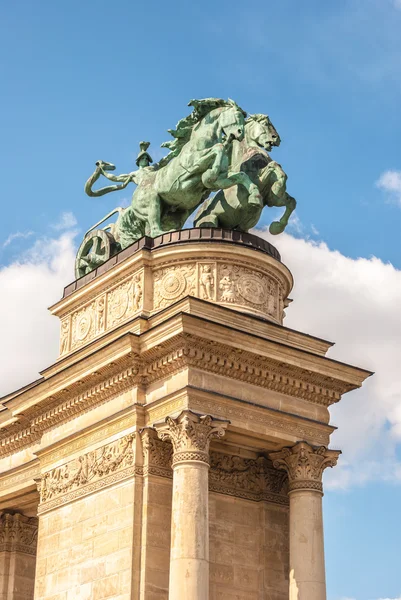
pixel 305 465
pixel 190 435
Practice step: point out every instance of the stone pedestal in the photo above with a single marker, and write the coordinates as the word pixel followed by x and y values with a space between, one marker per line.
pixel 164 348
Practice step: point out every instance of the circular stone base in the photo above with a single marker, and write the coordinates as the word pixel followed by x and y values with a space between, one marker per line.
pixel 236 270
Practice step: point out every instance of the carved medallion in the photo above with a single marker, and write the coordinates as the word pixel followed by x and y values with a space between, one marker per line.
pixel 83 325
pixel 172 285
pixel 252 289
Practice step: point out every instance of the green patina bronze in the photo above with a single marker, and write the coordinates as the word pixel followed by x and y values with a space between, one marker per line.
pixel 214 149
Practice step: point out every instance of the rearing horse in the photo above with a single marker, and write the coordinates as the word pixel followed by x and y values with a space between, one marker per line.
pixel 232 208
pixel 199 162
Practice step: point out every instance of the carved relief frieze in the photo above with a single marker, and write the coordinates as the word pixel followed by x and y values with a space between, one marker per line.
pixel 248 287
pixel 89 472
pixel 105 311
pixel 253 479
pixel 18 533
pixel 124 300
pixel 100 314
pixel 232 283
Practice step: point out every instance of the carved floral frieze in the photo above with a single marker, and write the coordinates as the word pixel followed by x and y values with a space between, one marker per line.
pixel 89 472
pixel 18 533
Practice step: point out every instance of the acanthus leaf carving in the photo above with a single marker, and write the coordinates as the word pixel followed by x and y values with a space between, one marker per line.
pixel 190 435
pixel 305 464
pixel 18 533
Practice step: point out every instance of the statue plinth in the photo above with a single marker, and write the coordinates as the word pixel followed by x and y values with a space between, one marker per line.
pixel 232 269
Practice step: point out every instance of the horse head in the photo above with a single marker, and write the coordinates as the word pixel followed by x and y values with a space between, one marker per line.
pixel 225 121
pixel 261 132
pixel 232 122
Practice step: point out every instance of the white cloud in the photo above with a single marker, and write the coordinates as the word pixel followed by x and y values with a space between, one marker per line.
pixel 390 181
pixel 399 597
pixel 67 221
pixel 355 304
pixel 15 236
pixel 29 333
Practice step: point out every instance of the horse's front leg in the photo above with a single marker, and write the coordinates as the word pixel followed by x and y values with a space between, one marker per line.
pixel 290 203
pixel 241 178
pixel 278 196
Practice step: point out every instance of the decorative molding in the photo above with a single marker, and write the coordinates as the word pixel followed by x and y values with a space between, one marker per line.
pixel 88 473
pixel 180 352
pixel 266 418
pixel 190 435
pixel 19 476
pixel 304 465
pixel 87 439
pixel 18 533
pixel 66 404
pixel 251 479
pixel 222 359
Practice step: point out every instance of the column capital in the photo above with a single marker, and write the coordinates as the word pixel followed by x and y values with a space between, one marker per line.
pixel 305 465
pixel 18 533
pixel 190 435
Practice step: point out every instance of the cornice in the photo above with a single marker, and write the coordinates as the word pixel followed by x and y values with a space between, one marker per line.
pixel 181 342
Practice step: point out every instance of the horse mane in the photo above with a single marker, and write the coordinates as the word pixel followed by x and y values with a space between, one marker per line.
pixel 259 118
pixel 185 126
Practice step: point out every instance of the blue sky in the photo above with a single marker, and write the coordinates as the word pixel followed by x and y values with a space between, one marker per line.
pixel 87 80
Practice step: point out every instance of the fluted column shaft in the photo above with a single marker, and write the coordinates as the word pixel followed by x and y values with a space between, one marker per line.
pixel 190 435
pixel 305 465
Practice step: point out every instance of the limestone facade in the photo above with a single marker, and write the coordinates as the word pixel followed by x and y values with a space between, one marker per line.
pixel 176 448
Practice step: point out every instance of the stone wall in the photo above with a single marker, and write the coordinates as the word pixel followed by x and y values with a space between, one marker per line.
pixel 85 547
pixel 248 549
pixel 156 528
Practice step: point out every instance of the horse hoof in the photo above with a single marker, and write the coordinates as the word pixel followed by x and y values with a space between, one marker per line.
pixel 276 227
